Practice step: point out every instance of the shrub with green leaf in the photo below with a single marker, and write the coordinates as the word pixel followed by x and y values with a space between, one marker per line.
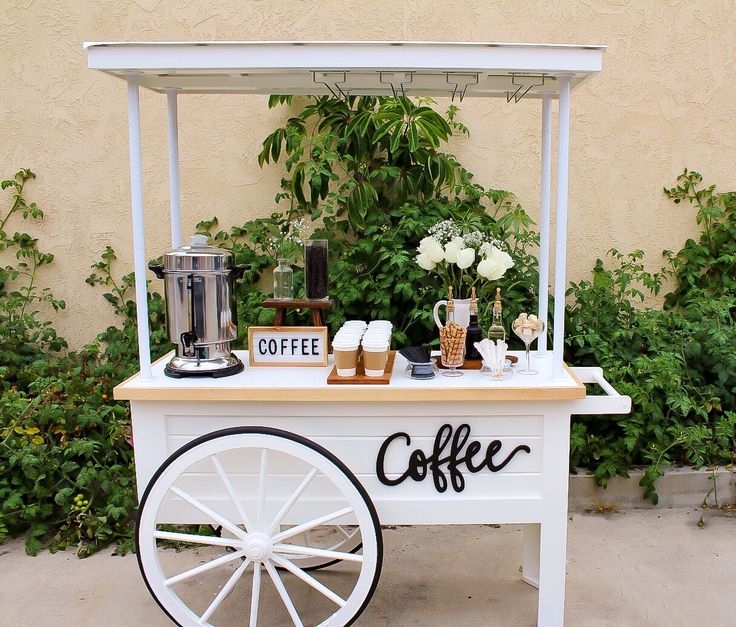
pixel 66 461
pixel 678 364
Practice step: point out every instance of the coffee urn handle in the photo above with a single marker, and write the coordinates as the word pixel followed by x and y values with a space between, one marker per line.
pixel 239 270
pixel 157 269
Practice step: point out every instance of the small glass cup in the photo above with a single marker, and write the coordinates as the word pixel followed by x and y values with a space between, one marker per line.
pixel 452 355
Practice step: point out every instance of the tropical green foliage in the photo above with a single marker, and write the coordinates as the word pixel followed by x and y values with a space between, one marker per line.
pixel 371 175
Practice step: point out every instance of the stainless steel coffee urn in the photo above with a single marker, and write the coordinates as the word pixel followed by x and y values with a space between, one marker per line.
pixel 200 308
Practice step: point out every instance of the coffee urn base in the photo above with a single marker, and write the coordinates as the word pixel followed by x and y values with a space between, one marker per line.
pixel 180 367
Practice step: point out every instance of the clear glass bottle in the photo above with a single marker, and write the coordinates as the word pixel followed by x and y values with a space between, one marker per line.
pixel 283 281
pixel 315 269
pixel 496 331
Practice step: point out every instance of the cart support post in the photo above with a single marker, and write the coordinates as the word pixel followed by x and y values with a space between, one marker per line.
pixel 553 532
pixel 544 221
pixel 139 245
pixel 563 157
pixel 530 554
pixel 174 188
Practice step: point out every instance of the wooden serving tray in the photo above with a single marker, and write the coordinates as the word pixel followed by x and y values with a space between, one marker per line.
pixel 473 364
pixel 360 378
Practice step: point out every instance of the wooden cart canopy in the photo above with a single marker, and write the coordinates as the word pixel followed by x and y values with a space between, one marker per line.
pixel 457 70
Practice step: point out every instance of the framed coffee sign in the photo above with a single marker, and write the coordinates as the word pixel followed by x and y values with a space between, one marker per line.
pixel 287 346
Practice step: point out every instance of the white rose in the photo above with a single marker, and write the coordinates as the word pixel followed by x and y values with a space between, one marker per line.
pixel 465 258
pixel 505 259
pixel 424 244
pixel 452 247
pixel 450 255
pixel 489 269
pixel 432 248
pixel 425 261
pixel 435 252
pixel 494 266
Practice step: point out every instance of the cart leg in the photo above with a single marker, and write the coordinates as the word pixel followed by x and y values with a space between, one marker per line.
pixel 553 534
pixel 530 555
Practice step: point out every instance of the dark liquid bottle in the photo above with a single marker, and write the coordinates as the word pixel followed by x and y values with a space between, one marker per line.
pixel 475 333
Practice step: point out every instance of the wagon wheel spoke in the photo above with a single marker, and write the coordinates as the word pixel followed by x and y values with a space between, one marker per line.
pixel 262 487
pixel 193 572
pixel 344 532
pixel 309 580
pixel 255 595
pixel 288 533
pixel 231 493
pixel 291 500
pixel 229 585
pixel 194 539
pixel 308 550
pixel 273 573
pixel 213 515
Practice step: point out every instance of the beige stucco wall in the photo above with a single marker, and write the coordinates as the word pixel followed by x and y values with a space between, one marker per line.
pixel 664 100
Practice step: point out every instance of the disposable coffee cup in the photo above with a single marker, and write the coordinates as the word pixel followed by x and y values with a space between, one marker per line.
pixel 346 350
pixel 375 338
pixel 375 355
pixel 382 327
pixel 349 335
pixel 355 323
pixel 350 332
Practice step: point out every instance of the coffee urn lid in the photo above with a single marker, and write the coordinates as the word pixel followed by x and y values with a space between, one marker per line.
pixel 199 256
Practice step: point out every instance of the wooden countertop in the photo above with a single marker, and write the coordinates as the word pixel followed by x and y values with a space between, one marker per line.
pixel 310 385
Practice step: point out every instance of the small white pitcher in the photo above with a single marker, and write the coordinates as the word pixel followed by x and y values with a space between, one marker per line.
pixel 462 312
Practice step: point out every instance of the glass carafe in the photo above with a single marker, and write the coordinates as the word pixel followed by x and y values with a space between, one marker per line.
pixel 283 281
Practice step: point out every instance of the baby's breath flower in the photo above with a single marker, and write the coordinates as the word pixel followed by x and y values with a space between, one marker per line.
pixel 475 239
pixel 444 231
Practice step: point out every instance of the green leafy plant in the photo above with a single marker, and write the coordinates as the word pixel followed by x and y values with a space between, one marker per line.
pixel 66 461
pixel 371 176
pixel 677 364
pixel 708 265
pixel 23 333
pixel 361 154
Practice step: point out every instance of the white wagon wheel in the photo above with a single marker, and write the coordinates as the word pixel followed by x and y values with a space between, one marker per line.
pixel 265 487
pixel 344 538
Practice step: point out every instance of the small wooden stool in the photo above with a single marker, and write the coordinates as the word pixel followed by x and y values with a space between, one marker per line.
pixel 317 308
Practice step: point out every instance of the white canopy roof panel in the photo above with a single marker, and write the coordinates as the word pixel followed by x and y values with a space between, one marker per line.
pixel 499 70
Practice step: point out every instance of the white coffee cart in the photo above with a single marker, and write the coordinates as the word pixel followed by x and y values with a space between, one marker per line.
pixel 295 475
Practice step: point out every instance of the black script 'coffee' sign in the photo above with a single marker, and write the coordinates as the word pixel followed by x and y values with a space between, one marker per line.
pixel 449 450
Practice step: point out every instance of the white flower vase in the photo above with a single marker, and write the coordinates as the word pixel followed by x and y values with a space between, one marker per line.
pixel 462 312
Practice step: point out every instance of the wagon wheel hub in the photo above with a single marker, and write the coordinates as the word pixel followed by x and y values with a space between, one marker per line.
pixel 258 547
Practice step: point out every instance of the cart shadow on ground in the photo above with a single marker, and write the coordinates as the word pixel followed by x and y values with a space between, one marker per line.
pixel 441 568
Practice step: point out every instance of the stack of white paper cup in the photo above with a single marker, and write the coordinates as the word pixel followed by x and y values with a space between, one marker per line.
pixel 346 347
pixel 375 345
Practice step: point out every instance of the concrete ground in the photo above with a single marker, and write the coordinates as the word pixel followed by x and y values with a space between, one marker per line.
pixel 634 567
